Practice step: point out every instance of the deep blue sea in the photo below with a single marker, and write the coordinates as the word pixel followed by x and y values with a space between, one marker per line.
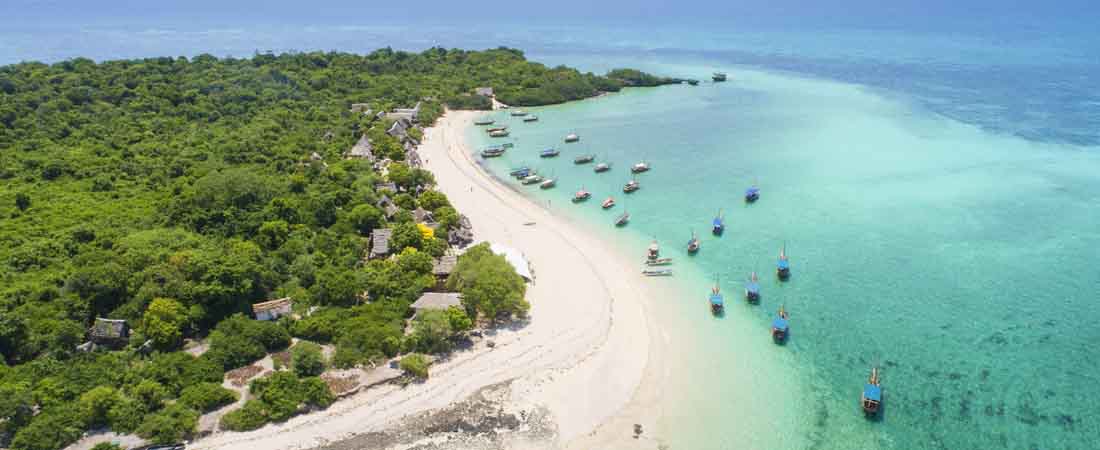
pixel 935 184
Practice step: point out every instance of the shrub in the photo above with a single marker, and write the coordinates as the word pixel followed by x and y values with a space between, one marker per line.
pixel 206 397
pixel 238 341
pixel 95 404
pixel 250 417
pixel 307 359
pixel 415 365
pixel 169 425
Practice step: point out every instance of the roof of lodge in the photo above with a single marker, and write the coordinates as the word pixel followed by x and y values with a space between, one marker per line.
pixel 362 149
pixel 111 328
pixel 437 300
pixel 444 265
pixel 272 305
pixel 380 241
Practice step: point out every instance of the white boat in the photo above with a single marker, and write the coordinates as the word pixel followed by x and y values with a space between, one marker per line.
pixel 640 167
pixel 518 113
pixel 657 272
pixel 572 137
pixel 659 262
pixel 531 118
pixel 549 183
pixel 531 179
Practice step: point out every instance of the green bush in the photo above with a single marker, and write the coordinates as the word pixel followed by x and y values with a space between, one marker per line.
pixel 238 341
pixel 251 416
pixel 172 424
pixel 306 359
pixel 415 365
pixel 205 397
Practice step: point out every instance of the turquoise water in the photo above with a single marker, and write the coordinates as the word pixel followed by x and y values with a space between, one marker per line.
pixel 956 259
pixel 933 177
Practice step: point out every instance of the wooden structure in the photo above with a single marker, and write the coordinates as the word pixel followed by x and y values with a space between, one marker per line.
pixel 442 268
pixel 272 310
pixel 437 301
pixel 362 149
pixel 109 332
pixel 380 242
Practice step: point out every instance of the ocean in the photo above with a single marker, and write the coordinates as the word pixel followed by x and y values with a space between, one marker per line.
pixel 935 188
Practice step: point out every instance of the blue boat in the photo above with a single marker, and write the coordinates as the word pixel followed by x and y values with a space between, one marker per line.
pixel 780 326
pixel 871 399
pixel 716 302
pixel 549 153
pixel 520 172
pixel 718 225
pixel 783 267
pixel 693 244
pixel 752 194
pixel 752 290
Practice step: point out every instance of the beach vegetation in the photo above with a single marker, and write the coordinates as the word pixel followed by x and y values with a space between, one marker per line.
pixel 306 359
pixel 491 289
pixel 415 365
pixel 174 193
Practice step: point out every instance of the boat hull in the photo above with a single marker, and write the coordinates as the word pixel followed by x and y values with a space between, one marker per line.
pixel 752 297
pixel 717 231
pixel 779 336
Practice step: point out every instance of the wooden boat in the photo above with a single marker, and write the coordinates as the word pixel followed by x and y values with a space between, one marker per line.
pixel 659 262
pixel 484 122
pixel 871 399
pixel 693 244
pixel 693 82
pixel 783 267
pixel 572 137
pixel 531 118
pixel 623 219
pixel 752 194
pixel 520 172
pixel 549 153
pixel 718 77
pixel 654 251
pixel 490 130
pixel 718 225
pixel 752 290
pixel 581 195
pixel 584 159
pixel 640 167
pixel 657 272
pixel 601 168
pixel 716 302
pixel 531 179
pixel 631 186
pixel 548 183
pixel 492 152
pixel 497 134
pixel 780 326
pixel 519 113
pixel 608 203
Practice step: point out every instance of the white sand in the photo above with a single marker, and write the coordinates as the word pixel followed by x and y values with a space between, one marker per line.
pixel 585 355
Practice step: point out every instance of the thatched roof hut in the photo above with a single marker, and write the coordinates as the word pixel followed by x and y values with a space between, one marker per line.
pixel 362 149
pixel 437 301
pixel 380 242
pixel 272 310
pixel 109 331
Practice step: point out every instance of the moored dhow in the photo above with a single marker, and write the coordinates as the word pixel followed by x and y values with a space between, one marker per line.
pixel 548 183
pixel 498 133
pixel 871 399
pixel 716 302
pixel 608 203
pixel 659 262
pixel 693 244
pixel 718 77
pixel 549 153
pixel 640 167
pixel 623 219
pixel 780 326
pixel 783 266
pixel 534 178
pixel 718 225
pixel 492 152
pixel 752 289
pixel 519 113
pixel 657 272
pixel 601 168
pixel 520 172
pixel 752 194
pixel 531 118
pixel 581 195
pixel 584 159
pixel 572 137
pixel 484 122
pixel 631 186
pixel 654 251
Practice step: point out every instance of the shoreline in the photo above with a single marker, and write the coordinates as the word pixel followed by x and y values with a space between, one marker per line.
pixel 584 358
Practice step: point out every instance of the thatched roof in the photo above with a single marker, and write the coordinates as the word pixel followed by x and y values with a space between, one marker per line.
pixel 273 305
pixel 444 265
pixel 484 91
pixel 421 215
pixel 362 149
pixel 110 329
pixel 437 300
pixel 380 242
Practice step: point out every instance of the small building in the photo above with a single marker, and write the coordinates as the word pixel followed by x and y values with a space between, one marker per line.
pixel 410 114
pixel 399 129
pixel 387 186
pixel 484 91
pixel 412 158
pixel 387 206
pixel 109 332
pixel 272 310
pixel 362 149
pixel 421 215
pixel 437 301
pixel 442 268
pixel 361 107
pixel 380 242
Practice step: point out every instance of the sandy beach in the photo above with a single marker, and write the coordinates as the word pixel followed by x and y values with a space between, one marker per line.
pixel 584 360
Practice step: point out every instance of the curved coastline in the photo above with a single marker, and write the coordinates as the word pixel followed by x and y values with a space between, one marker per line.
pixel 585 355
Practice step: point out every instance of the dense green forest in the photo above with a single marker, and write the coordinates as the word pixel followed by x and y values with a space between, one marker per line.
pixel 173 193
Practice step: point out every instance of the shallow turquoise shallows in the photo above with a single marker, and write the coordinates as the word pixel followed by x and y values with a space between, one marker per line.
pixel 960 261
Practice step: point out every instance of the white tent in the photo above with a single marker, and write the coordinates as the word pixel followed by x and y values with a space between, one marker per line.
pixel 515 258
